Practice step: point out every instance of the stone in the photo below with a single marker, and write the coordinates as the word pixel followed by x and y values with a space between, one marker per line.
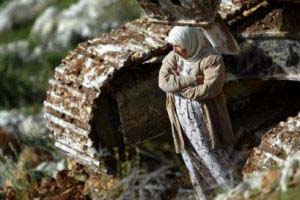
pixel 59 29
pixel 51 168
pixel 21 11
pixel 7 139
pixel 269 184
pixel 23 126
pixel 33 156
pixel 44 25
pixel 275 147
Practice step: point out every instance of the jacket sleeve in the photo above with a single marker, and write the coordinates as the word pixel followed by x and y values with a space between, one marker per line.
pixel 168 81
pixel 214 77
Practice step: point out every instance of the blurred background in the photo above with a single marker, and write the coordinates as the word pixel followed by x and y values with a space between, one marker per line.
pixel 34 37
pixel 36 34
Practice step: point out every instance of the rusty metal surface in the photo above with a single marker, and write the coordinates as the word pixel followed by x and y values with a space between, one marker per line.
pixel 181 12
pixel 78 81
pixel 221 38
pixel 141 107
pixel 266 59
pixel 274 22
pixel 276 145
pixel 196 13
pixel 230 9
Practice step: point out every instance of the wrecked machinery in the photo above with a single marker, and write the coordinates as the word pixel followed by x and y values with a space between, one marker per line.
pixel 105 93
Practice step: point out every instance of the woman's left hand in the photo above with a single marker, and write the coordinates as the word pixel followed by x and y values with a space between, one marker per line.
pixel 176 72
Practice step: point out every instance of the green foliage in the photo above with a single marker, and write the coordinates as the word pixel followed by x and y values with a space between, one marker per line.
pixel 17 33
pixel 124 168
pixel 3 2
pixel 24 178
pixel 25 83
pixel 13 81
pixel 128 10
pixel 122 10
pixel 65 3
pixel 292 193
pixel 53 59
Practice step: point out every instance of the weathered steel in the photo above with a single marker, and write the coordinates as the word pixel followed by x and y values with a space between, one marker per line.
pixel 74 91
pixel 181 12
pixel 276 145
pixel 140 106
pixel 221 38
pixel 193 13
pixel 235 9
pixel 105 94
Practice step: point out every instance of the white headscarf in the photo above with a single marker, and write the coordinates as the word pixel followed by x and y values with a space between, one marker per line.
pixel 191 38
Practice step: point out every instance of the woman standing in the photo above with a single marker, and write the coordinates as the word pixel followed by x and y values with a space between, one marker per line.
pixel 192 75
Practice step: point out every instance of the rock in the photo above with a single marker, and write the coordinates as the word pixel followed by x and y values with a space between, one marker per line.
pixel 44 26
pixel 11 120
pixel 78 171
pixel 55 29
pixel 34 125
pixel 10 193
pixel 59 29
pixel 18 48
pixel 75 192
pixel 7 138
pixel 276 145
pixel 33 156
pixel 64 181
pixel 21 11
pixel 99 182
pixel 273 167
pixel 269 184
pixel 52 168
pixel 18 179
pixel 48 185
pixel 20 125
pixel 290 172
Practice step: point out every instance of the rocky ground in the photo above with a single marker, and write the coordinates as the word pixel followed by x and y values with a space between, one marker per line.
pixel 34 169
pixel 272 169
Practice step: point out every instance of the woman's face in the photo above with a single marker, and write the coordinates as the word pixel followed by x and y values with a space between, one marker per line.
pixel 180 51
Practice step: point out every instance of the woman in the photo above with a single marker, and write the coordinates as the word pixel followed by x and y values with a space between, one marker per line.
pixel 192 75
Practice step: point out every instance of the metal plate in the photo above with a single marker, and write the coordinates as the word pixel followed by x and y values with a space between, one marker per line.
pixel 181 12
pixel 220 38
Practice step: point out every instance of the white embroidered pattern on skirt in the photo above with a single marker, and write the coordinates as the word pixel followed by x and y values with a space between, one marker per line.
pixel 207 168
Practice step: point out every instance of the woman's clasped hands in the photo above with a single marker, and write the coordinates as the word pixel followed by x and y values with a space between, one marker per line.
pixel 200 78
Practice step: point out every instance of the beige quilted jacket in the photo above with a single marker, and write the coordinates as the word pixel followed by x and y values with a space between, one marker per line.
pixel 210 94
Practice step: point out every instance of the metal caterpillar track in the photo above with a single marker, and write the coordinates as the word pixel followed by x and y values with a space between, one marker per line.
pixel 78 81
pixel 276 145
pixel 80 120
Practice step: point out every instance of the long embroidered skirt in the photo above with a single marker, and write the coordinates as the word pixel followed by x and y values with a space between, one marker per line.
pixel 207 168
